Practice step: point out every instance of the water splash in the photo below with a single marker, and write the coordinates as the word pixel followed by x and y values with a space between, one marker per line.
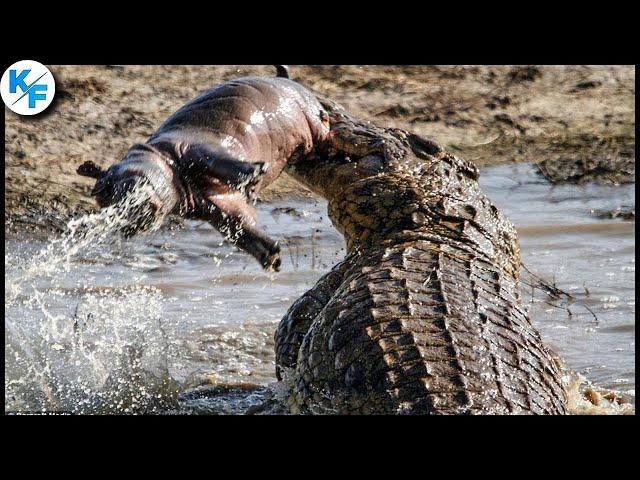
pixel 586 399
pixel 107 355
pixel 83 234
pixel 110 356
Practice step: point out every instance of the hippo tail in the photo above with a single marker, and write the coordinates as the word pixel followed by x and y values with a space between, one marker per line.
pixel 282 71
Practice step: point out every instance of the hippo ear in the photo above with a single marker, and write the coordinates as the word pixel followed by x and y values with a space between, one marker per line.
pixel 89 169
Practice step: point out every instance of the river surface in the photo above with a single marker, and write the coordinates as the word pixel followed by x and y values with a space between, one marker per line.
pixel 126 326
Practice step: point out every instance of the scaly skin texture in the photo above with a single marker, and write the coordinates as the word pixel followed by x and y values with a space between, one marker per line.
pixel 424 314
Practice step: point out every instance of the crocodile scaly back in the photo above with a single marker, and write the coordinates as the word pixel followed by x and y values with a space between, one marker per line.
pixel 424 315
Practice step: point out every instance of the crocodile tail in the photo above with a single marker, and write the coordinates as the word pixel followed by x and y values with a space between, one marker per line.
pixel 298 319
pixel 282 71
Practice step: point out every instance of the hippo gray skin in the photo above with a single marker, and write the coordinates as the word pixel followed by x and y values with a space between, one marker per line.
pixel 211 158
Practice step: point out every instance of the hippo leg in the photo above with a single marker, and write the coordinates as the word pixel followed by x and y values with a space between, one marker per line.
pixel 239 175
pixel 232 216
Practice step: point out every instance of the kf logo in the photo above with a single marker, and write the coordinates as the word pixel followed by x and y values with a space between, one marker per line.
pixel 27 87
pixel 18 81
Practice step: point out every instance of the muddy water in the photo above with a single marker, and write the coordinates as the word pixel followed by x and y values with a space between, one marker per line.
pixel 126 326
pixel 593 259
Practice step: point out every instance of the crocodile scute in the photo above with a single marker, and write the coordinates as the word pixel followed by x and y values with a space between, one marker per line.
pixel 424 314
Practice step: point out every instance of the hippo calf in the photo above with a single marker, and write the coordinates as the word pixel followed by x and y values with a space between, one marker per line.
pixel 212 157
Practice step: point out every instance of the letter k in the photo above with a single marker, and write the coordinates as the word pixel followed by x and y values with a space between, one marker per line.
pixel 17 81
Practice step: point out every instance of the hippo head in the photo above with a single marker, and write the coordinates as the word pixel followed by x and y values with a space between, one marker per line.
pixel 141 185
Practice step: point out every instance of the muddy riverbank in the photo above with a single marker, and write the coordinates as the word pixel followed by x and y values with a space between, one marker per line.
pixel 487 114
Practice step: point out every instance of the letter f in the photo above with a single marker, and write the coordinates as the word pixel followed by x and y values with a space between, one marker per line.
pixel 33 96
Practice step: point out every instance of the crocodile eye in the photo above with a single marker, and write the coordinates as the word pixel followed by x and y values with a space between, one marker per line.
pixel 324 117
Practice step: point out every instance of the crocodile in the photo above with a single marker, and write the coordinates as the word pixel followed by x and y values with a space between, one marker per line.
pixel 424 314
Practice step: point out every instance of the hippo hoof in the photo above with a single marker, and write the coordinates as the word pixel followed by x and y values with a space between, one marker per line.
pixel 271 260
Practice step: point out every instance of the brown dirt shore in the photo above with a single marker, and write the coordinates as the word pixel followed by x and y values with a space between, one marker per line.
pixel 487 114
